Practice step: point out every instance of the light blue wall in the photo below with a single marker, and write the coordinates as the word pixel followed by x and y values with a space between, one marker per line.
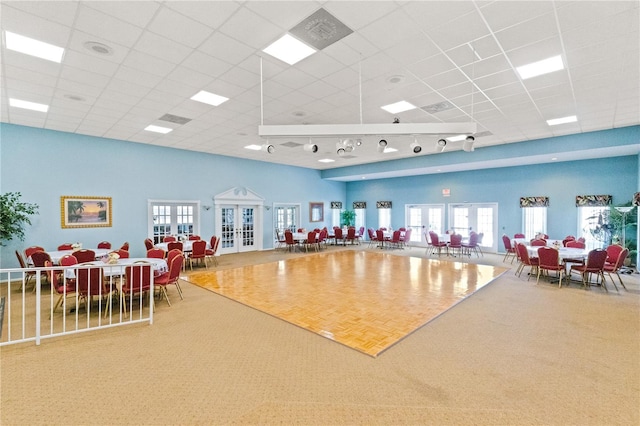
pixel 43 165
pixel 561 182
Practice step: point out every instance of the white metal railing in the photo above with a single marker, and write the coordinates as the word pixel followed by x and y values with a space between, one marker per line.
pixel 27 302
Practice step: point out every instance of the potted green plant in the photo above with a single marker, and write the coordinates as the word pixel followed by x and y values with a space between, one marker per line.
pixel 624 225
pixel 14 215
pixel 348 217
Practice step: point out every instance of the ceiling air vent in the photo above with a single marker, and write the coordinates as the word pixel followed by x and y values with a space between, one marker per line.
pixel 175 119
pixel 439 107
pixel 291 144
pixel 320 30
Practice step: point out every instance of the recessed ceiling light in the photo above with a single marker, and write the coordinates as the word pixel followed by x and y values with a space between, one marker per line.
pixel 389 149
pixel 158 129
pixel 545 66
pixel 398 107
pixel 99 48
pixel 289 49
pixel 457 138
pixel 30 46
pixel 562 120
pixel 254 147
pixel 17 103
pixel 209 98
pixel 326 160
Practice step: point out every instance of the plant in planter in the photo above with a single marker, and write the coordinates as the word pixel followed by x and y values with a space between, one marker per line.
pixel 14 215
pixel 348 217
pixel 624 226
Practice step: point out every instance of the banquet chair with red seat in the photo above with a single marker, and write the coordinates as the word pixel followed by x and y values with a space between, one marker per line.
pixel 137 282
pixel 471 244
pixel 38 258
pixel 198 253
pixel 372 236
pixel 526 260
pixel 156 253
pixel 27 275
pixel 455 244
pixel 60 286
pixel 90 282
pixel 148 243
pixel 613 251
pixel 288 238
pixel 124 254
pixel 549 260
pixel 311 241
pixel 84 255
pixel 610 268
pixel 65 246
pixel 381 238
pixel 519 235
pixel 396 239
pixel 194 237
pixel 213 249
pixel 170 277
pixel 538 242
pixel 104 245
pixel 436 244
pixel 30 250
pixel 405 238
pixel 125 246
pixel 508 248
pixel 339 236
pixel 172 245
pixel 168 239
pixel 594 265
pixel 351 236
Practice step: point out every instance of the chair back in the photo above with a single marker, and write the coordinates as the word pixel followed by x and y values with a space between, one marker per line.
pixel 538 242
pixel 372 235
pixel 407 235
pixel 175 266
pixel 84 255
pixel 434 237
pixel 288 237
pixel 137 278
pixel 380 235
pixel 68 260
pixel 576 244
pixel 122 253
pixel 338 233
pixel 104 245
pixel 89 281
pixel 65 246
pixel 168 239
pixel 613 251
pixel 455 240
pixel 518 236
pixel 351 234
pixel 216 245
pixel 173 254
pixel 156 253
pixel 507 242
pixel 480 236
pixel 30 250
pixel 323 235
pixel 194 237
pixel 21 261
pixel 172 245
pixel 198 248
pixel 595 260
pixel 620 260
pixel 311 237
pixel 39 257
pixel 548 257
pixel 361 231
pixel 567 239
pixel 473 239
pixel 148 243
pixel 523 254
pixel 395 238
pixel 125 246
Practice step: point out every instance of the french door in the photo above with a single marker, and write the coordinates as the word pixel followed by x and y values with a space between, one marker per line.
pixel 238 229
pixel 422 218
pixel 481 218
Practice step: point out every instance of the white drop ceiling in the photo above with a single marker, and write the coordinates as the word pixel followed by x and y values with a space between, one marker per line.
pixel 422 52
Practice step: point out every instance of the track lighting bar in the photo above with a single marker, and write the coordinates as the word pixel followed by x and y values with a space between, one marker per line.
pixel 311 130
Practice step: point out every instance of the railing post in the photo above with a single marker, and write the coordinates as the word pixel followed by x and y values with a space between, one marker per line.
pixel 38 306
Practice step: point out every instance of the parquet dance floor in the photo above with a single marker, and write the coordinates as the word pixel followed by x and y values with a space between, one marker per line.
pixel 365 300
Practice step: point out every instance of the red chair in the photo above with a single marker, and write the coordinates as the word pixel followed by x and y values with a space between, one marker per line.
pixel 211 252
pixel 170 277
pixel 174 253
pixel 122 253
pixel 104 245
pixel 381 238
pixel 65 246
pixel 396 239
pixel 311 241
pixel 84 255
pixel 137 282
pixel 538 242
pixel 405 238
pixel 436 244
pixel 156 253
pixel 168 239
pixel 549 260
pixel 288 238
pixel 518 236
pixel 38 258
pixel 594 265
pixel 68 260
pixel 194 237
pixel 198 253
pixel 613 251
pixel 525 260
pixel 61 287
pixel 30 250
pixel 125 246
pixel 575 244
pixel 338 236
pixel 610 268
pixel 567 239
pixel 372 236
pixel 173 245
pixel 455 244
pixel 89 283
pixel 471 245
pixel 352 237
pixel 148 243
pixel 509 249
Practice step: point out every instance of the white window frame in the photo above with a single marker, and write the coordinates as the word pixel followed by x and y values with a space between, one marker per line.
pixel 174 221
pixel 534 221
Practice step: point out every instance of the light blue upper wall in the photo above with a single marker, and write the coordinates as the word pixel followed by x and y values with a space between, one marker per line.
pixel 561 182
pixel 44 164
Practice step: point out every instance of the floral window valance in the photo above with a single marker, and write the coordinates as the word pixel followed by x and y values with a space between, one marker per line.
pixel 593 200
pixel 336 204
pixel 636 199
pixel 534 201
pixel 359 205
pixel 383 204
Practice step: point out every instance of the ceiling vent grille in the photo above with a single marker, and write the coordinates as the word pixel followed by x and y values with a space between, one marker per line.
pixel 320 30
pixel 439 107
pixel 291 144
pixel 175 119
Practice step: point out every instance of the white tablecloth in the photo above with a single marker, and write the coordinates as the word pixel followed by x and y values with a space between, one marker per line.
pixel 159 266
pixel 565 252
pixel 56 255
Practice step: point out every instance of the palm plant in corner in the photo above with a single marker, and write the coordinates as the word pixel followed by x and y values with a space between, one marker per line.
pixel 14 216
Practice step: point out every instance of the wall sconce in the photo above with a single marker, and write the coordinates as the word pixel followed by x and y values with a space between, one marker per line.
pixel 206 208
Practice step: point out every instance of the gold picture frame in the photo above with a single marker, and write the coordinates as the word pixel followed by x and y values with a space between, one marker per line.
pixel 316 212
pixel 85 211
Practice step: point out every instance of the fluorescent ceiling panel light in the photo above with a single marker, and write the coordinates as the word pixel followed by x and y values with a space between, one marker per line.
pixel 389 149
pixel 157 129
pixel 457 138
pixel 289 49
pixel 541 67
pixel 398 107
pixel 562 120
pixel 254 147
pixel 326 160
pixel 33 47
pixel 209 98
pixel 17 103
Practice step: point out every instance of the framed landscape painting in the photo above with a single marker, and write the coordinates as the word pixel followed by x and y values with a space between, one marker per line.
pixel 85 212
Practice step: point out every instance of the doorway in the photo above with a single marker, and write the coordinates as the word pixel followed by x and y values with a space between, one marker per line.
pixel 481 218
pixel 239 220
